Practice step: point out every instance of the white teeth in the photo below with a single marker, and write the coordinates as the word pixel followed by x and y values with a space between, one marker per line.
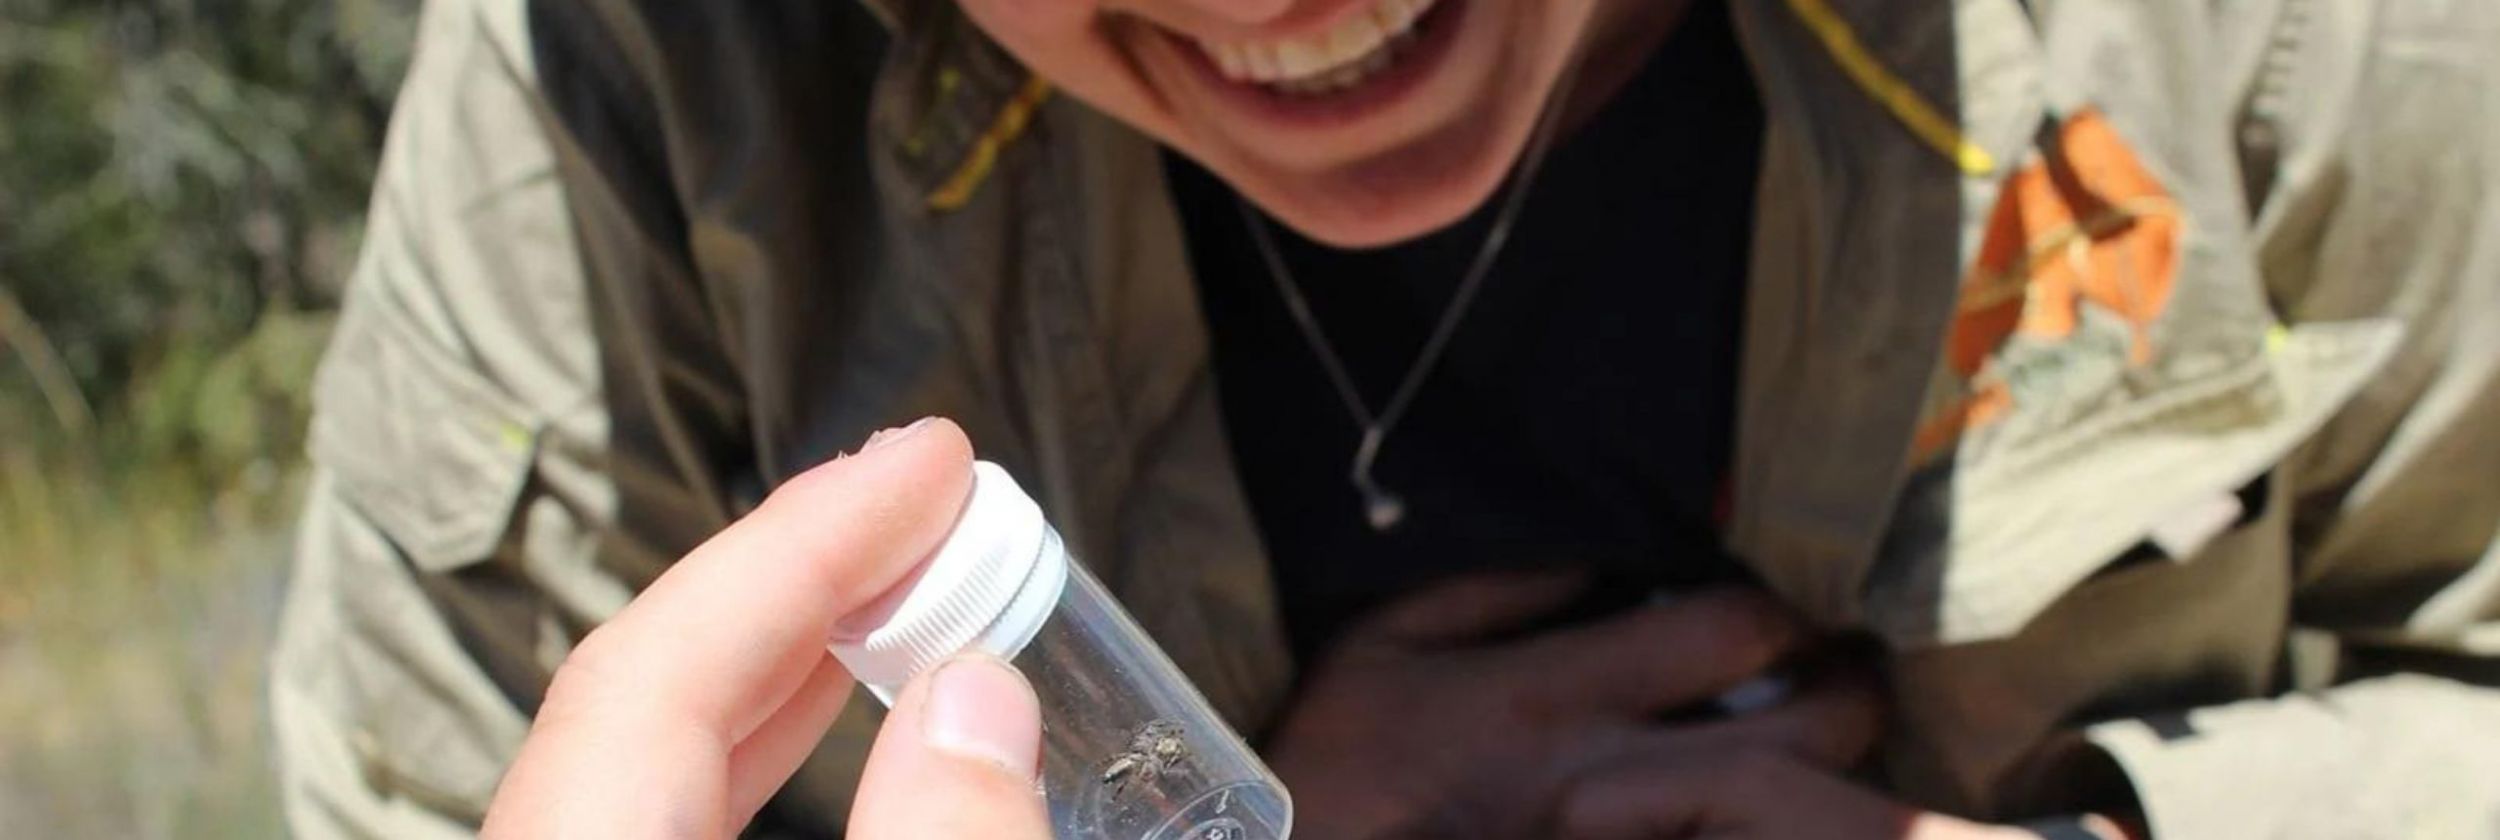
pixel 1357 38
pixel 1302 59
pixel 1334 60
pixel 1396 15
pixel 1261 62
pixel 1232 59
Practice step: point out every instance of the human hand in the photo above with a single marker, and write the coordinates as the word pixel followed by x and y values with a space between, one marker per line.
pixel 1434 717
pixel 1761 794
pixel 680 716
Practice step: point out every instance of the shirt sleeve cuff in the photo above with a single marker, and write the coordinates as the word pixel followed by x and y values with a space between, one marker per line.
pixel 2398 756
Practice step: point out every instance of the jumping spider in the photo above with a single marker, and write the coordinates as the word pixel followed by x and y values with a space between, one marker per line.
pixel 1156 750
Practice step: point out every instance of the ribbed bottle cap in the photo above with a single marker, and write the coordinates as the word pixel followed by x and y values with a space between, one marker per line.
pixel 990 587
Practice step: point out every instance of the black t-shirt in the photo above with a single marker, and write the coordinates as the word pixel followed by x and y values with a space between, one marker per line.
pixel 1582 414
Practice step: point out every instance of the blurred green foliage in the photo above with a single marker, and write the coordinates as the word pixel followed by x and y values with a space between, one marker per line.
pixel 181 188
pixel 178 175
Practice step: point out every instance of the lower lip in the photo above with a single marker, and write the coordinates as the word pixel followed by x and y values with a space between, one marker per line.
pixel 1406 71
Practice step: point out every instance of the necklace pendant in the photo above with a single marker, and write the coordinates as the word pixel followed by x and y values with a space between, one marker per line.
pixel 1383 510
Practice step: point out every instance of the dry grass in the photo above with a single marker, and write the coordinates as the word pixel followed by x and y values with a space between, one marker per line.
pixel 135 612
pixel 183 191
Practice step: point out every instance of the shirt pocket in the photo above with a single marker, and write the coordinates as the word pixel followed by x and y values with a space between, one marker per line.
pixel 423 445
pixel 431 459
pixel 2002 541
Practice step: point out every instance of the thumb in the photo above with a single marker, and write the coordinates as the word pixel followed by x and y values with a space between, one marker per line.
pixel 958 757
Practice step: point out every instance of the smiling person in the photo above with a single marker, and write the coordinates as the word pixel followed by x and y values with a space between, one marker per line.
pixel 1522 418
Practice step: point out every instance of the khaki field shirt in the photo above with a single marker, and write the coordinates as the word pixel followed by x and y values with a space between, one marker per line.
pixel 2132 369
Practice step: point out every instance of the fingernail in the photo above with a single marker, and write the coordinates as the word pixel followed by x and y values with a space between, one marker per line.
pixel 885 437
pixel 978 708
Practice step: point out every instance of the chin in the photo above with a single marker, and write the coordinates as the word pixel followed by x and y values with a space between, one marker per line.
pixel 1373 210
pixel 1403 192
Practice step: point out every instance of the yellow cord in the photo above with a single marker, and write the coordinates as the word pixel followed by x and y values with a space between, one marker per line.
pixel 1010 123
pixel 1896 95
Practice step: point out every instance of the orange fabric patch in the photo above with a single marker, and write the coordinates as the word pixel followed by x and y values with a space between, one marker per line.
pixel 2083 222
pixel 2087 223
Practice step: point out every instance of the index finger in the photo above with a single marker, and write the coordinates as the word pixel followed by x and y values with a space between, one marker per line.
pixel 725 635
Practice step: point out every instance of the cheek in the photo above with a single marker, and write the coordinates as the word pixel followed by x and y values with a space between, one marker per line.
pixel 1002 18
pixel 1071 44
pixel 1035 29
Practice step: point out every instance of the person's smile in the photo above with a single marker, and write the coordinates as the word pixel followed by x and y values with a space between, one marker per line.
pixel 1359 122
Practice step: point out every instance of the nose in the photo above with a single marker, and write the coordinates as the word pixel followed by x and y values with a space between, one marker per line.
pixel 1247 12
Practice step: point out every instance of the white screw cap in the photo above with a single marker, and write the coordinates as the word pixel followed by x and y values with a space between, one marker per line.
pixel 990 587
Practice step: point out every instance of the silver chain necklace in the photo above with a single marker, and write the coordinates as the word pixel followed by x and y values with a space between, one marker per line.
pixel 1384 509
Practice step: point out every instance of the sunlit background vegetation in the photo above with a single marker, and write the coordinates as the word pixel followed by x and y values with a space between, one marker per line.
pixel 181 187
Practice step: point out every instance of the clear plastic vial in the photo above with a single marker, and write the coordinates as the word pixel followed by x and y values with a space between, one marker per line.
pixel 1130 749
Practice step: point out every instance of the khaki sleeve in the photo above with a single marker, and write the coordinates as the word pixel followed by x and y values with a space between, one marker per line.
pixel 2396 729
pixel 520 421
pixel 443 559
pixel 2387 206
pixel 382 725
pixel 2399 756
